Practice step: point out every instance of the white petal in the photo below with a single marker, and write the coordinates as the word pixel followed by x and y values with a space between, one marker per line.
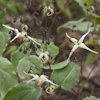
pixel 29 74
pixel 82 45
pixel 47 80
pixel 8 27
pixel 31 80
pixel 18 35
pixel 33 40
pixel 82 38
pixel 73 49
pixel 24 33
pixel 67 61
pixel 72 39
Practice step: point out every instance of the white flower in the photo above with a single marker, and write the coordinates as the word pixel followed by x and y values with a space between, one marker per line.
pixel 44 57
pixel 79 44
pixel 39 80
pixel 22 34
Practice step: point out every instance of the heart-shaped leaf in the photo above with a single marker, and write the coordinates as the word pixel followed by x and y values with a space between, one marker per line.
pixel 8 77
pixel 67 77
pixel 29 62
pixel 24 91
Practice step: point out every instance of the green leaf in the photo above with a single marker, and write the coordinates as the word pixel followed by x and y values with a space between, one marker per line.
pixel 9 50
pixel 17 55
pixel 67 77
pixel 8 77
pixel 92 41
pixel 2 16
pixel 91 98
pixel 95 15
pixel 4 38
pixel 89 2
pixel 29 62
pixel 81 3
pixel 12 5
pixel 82 26
pixel 24 91
pixel 57 66
pixel 95 18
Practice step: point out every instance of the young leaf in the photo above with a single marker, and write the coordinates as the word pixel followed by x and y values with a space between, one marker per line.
pixel 29 62
pixel 4 38
pixel 24 91
pixel 8 77
pixel 91 98
pixel 67 77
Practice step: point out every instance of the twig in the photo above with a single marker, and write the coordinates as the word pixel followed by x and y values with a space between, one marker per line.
pixel 74 91
pixel 70 95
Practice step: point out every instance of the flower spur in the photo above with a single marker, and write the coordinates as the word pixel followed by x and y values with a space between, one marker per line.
pixel 79 44
pixel 22 34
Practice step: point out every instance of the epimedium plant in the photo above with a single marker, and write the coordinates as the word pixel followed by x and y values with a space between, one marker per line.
pixel 65 74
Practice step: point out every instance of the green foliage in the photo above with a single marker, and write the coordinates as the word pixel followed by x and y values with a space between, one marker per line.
pixel 8 77
pixel 81 3
pixel 95 18
pixel 2 16
pixel 92 41
pixel 29 62
pixel 12 6
pixel 24 91
pixel 9 50
pixel 91 98
pixel 67 77
pixel 89 2
pixel 57 66
pixel 80 25
pixel 17 55
pixel 4 38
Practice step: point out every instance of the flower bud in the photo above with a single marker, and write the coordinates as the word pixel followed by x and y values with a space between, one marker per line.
pixel 91 9
pixel 44 57
pixel 48 11
pixel 50 89
pixel 24 27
